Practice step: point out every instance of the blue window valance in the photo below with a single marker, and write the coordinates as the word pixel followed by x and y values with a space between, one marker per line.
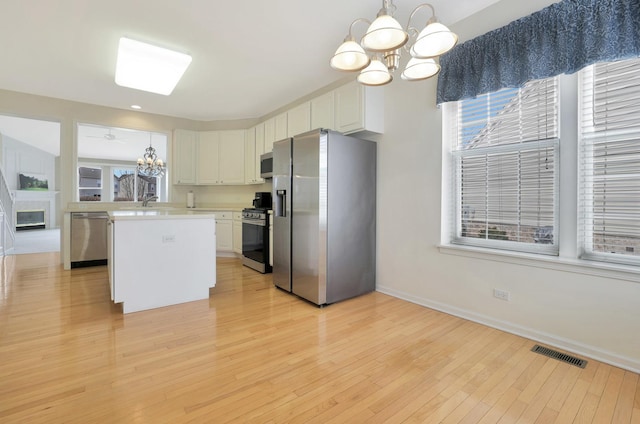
pixel 561 38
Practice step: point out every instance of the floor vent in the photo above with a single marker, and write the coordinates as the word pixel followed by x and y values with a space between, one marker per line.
pixel 572 360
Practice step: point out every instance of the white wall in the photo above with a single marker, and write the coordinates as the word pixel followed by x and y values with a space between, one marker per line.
pixel 19 157
pixel 586 314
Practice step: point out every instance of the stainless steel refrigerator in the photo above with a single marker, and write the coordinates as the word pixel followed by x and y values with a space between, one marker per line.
pixel 324 220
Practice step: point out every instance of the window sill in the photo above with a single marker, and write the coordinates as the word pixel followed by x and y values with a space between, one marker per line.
pixel 579 266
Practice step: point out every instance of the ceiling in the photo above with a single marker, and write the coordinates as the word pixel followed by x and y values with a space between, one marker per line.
pixel 250 57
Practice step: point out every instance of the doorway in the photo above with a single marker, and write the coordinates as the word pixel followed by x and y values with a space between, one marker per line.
pixel 30 157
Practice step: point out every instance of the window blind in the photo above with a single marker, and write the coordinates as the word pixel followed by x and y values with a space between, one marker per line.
pixel 505 159
pixel 610 161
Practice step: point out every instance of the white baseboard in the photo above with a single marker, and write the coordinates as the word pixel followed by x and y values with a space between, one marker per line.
pixel 573 346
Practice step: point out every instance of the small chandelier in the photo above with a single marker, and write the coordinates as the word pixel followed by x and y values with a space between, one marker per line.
pixel 150 165
pixel 379 51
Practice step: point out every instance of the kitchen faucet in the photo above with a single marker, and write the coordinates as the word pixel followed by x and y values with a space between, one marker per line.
pixel 146 200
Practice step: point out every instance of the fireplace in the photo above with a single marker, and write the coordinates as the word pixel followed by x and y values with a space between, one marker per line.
pixel 30 219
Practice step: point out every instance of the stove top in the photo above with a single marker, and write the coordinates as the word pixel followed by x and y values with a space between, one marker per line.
pixel 261 210
pixel 255 213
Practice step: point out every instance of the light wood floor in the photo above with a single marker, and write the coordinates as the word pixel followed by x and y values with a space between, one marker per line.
pixel 252 353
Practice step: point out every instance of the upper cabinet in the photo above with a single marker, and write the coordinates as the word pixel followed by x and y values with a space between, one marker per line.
pixel 281 126
pixel 299 119
pixel 253 148
pixel 322 112
pixel 184 156
pixel 269 134
pixel 359 109
pixel 233 157
pixel 208 157
pixel 231 154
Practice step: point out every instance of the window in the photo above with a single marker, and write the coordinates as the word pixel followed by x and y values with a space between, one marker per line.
pixel 90 184
pixel 504 160
pixel 127 186
pixel 610 161
pixel 106 164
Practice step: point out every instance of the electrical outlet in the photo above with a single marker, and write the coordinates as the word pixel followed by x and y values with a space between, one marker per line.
pixel 501 294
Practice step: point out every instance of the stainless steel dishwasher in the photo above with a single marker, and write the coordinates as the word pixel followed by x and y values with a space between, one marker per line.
pixel 88 239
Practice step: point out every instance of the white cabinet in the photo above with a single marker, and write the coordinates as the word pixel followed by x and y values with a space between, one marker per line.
pixel 184 156
pixel 322 112
pixel 224 232
pixel 250 156
pixel 237 232
pixel 269 134
pixel 177 255
pixel 220 157
pixel 252 151
pixel 359 108
pixel 208 157
pixel 299 119
pixel 231 157
pixel 110 267
pixel 280 123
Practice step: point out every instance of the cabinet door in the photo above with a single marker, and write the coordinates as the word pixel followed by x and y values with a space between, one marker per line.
pixel 208 157
pixel 231 159
pixel 250 156
pixel 224 235
pixel 259 152
pixel 322 112
pixel 183 167
pixel 281 127
pixel 359 109
pixel 269 134
pixel 349 107
pixel 237 234
pixel 110 263
pixel 299 119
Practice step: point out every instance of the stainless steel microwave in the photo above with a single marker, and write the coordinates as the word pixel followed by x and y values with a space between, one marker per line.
pixel 266 165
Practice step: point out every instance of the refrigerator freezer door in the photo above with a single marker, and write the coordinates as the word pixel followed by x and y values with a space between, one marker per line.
pixel 309 224
pixel 282 214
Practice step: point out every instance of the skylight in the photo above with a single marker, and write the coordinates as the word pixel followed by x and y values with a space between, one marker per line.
pixel 149 68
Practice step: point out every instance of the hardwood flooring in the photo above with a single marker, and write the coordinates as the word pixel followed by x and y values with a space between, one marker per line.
pixel 254 354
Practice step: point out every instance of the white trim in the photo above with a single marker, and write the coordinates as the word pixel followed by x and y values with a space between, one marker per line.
pixel 578 266
pixel 578 348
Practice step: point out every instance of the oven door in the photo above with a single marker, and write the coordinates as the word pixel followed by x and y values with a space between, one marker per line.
pixel 255 244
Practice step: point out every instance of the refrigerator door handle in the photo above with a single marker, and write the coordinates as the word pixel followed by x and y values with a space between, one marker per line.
pixel 281 203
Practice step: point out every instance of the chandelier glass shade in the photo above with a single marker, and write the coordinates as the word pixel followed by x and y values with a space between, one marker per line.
pixel 379 52
pixel 418 69
pixel 150 165
pixel 434 40
pixel 375 74
pixel 350 56
pixel 385 33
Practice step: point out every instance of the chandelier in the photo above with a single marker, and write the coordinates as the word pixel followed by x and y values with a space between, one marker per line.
pixel 378 53
pixel 150 165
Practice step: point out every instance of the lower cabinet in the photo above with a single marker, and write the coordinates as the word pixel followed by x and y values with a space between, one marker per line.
pixel 224 233
pixel 110 267
pixel 237 233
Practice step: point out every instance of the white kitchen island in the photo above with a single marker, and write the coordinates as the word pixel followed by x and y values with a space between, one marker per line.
pixel 160 257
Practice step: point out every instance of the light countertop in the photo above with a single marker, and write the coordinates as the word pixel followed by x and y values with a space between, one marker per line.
pixel 131 206
pixel 132 214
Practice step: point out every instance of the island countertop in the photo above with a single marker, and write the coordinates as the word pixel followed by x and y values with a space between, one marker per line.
pixel 133 214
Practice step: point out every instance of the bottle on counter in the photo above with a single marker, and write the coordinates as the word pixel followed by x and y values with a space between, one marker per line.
pixel 191 200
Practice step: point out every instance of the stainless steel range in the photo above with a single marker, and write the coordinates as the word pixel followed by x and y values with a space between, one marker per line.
pixel 255 239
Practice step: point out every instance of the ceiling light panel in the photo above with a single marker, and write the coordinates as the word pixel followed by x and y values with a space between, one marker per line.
pixel 149 68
